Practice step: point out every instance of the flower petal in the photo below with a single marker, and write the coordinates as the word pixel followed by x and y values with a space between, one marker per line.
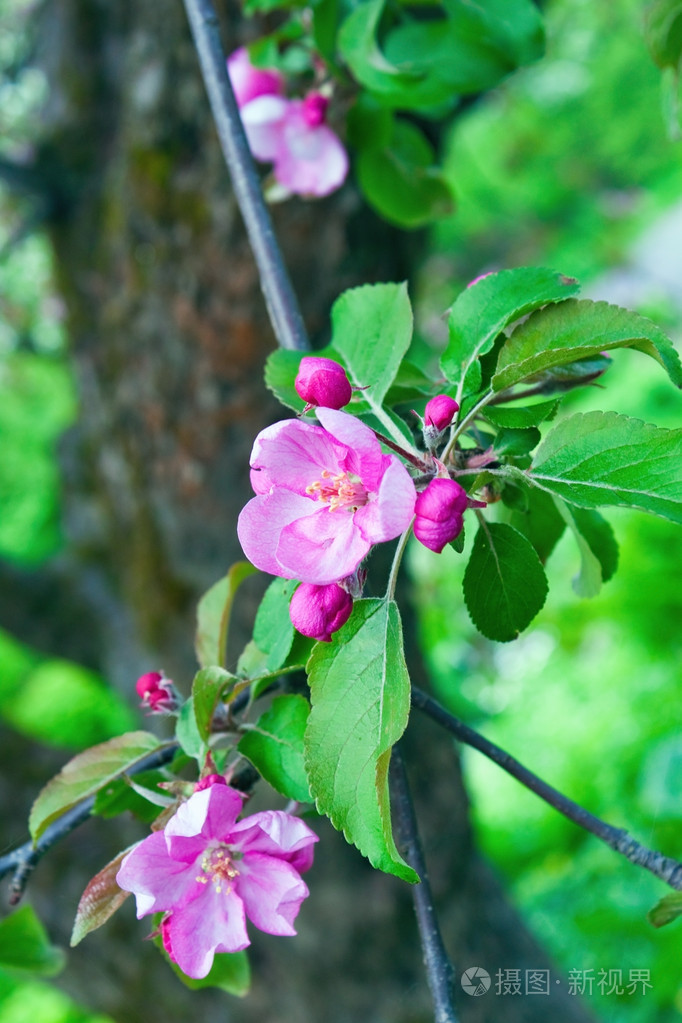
pixel 212 922
pixel 272 892
pixel 321 548
pixel 390 514
pixel 261 522
pixel 364 456
pixel 311 159
pixel 262 119
pixel 207 815
pixel 293 455
pixel 278 834
pixel 158 882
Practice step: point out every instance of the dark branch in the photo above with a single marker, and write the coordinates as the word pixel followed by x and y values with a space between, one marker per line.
pixel 279 295
pixel 663 867
pixel 439 971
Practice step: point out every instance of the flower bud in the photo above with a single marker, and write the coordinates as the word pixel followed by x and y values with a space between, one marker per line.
pixel 438 513
pixel 440 411
pixel 322 382
pixel 157 692
pixel 210 779
pixel 319 611
pixel 249 82
pixel 315 109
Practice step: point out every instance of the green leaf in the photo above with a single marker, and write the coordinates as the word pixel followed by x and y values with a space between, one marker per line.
pixel 360 696
pixel 516 442
pixel 275 746
pixel 86 773
pixel 663 32
pixel 521 417
pixel 401 180
pixel 598 459
pixel 210 686
pixel 187 731
pixel 580 330
pixel 25 946
pixel 100 900
pixel 504 582
pixel 273 632
pixel 357 42
pixel 213 615
pixel 540 522
pixel 369 125
pixel 666 910
pixel 119 796
pixel 372 330
pixel 588 581
pixel 281 369
pixel 484 309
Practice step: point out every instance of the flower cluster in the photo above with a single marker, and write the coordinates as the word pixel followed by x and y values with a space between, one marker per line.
pixel 308 157
pixel 325 494
pixel 207 873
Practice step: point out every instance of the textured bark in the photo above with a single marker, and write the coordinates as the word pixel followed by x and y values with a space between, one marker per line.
pixel 169 335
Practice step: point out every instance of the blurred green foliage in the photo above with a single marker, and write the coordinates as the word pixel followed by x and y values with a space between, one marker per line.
pixel 566 166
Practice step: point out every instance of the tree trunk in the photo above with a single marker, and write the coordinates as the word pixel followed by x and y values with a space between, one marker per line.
pixel 169 335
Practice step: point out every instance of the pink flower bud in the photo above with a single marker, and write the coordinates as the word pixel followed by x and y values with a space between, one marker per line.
pixel 318 611
pixel 440 411
pixel 315 109
pixel 438 513
pixel 157 692
pixel 249 82
pixel 210 779
pixel 322 382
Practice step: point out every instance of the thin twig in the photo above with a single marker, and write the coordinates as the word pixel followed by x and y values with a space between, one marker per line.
pixel 279 295
pixel 663 867
pixel 439 970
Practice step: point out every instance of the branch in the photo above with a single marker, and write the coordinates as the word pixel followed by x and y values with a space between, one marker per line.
pixel 279 295
pixel 663 867
pixel 439 971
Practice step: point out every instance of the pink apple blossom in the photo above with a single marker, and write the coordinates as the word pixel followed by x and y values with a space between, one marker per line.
pixel 248 81
pixel 322 382
pixel 324 495
pixel 158 693
pixel 440 411
pixel 439 513
pixel 208 872
pixel 320 611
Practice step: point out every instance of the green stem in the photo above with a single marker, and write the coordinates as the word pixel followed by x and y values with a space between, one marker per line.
pixel 461 426
pixel 397 558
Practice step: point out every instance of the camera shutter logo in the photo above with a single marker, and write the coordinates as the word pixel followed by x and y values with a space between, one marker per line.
pixel 476 981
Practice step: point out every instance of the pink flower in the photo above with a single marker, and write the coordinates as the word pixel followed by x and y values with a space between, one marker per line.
pixel 439 513
pixel 322 382
pixel 208 872
pixel 249 82
pixel 308 157
pixel 157 692
pixel 325 495
pixel 319 611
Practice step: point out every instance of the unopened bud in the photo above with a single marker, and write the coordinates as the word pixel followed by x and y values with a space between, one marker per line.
pixel 438 415
pixel 158 693
pixel 210 779
pixel 439 513
pixel 319 611
pixel 322 382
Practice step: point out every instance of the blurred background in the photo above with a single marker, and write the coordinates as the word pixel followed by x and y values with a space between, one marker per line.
pixel 123 450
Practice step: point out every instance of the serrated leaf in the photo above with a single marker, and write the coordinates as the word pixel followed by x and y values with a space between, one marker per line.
pixel 521 417
pixel 504 583
pixel 273 632
pixel 483 310
pixel 402 181
pixel 25 945
pixel 209 687
pixel 213 615
pixel 187 732
pixel 596 459
pixel 372 330
pixel 666 910
pixel 511 443
pixel 580 329
pixel 360 696
pixel 539 521
pixel 275 746
pixel 86 773
pixel 597 546
pixel 100 900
